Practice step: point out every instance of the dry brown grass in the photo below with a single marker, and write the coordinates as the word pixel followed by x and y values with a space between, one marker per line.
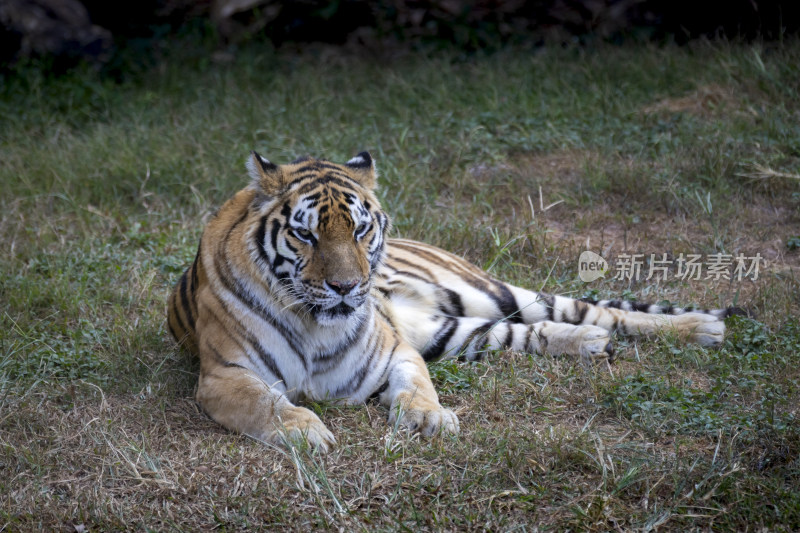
pixel 705 101
pixel 126 462
pixel 538 447
pixel 616 220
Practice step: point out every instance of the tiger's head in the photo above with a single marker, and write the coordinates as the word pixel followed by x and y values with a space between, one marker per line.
pixel 321 233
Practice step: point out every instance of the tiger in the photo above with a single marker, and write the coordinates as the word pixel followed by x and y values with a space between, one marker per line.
pixel 297 294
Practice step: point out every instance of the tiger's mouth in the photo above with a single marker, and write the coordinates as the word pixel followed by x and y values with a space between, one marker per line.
pixel 328 308
pixel 332 315
pixel 340 309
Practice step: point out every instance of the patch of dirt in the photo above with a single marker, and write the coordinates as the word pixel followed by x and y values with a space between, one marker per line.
pixel 760 229
pixel 554 191
pixel 705 101
pixel 546 185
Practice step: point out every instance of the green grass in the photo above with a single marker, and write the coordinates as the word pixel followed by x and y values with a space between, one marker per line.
pixel 513 160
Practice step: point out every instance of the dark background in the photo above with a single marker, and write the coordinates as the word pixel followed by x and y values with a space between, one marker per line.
pixel 69 31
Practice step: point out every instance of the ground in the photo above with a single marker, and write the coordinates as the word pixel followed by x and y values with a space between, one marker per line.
pixel 518 161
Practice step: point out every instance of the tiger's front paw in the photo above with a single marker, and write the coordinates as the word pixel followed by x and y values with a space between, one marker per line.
pixel 425 419
pixel 299 424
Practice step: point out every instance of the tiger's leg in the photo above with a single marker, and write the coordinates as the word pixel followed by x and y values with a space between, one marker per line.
pixel 706 328
pixel 411 398
pixel 492 299
pixel 247 401
pixel 437 282
pixel 505 316
pixel 239 400
pixel 468 338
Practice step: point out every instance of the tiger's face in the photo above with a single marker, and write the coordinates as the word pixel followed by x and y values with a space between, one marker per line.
pixel 325 236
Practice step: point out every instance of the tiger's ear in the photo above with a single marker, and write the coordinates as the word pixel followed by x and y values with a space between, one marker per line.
pixel 363 166
pixel 267 175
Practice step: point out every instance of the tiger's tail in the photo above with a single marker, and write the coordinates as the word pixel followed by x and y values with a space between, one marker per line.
pixel 668 309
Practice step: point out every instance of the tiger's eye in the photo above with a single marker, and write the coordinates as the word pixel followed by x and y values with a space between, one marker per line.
pixel 303 233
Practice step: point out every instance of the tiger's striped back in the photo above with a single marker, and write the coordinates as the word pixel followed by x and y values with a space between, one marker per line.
pixel 182 306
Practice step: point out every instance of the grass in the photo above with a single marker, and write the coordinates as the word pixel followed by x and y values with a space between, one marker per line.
pixel 519 161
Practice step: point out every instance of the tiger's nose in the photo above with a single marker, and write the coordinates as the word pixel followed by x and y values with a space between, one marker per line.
pixel 342 287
